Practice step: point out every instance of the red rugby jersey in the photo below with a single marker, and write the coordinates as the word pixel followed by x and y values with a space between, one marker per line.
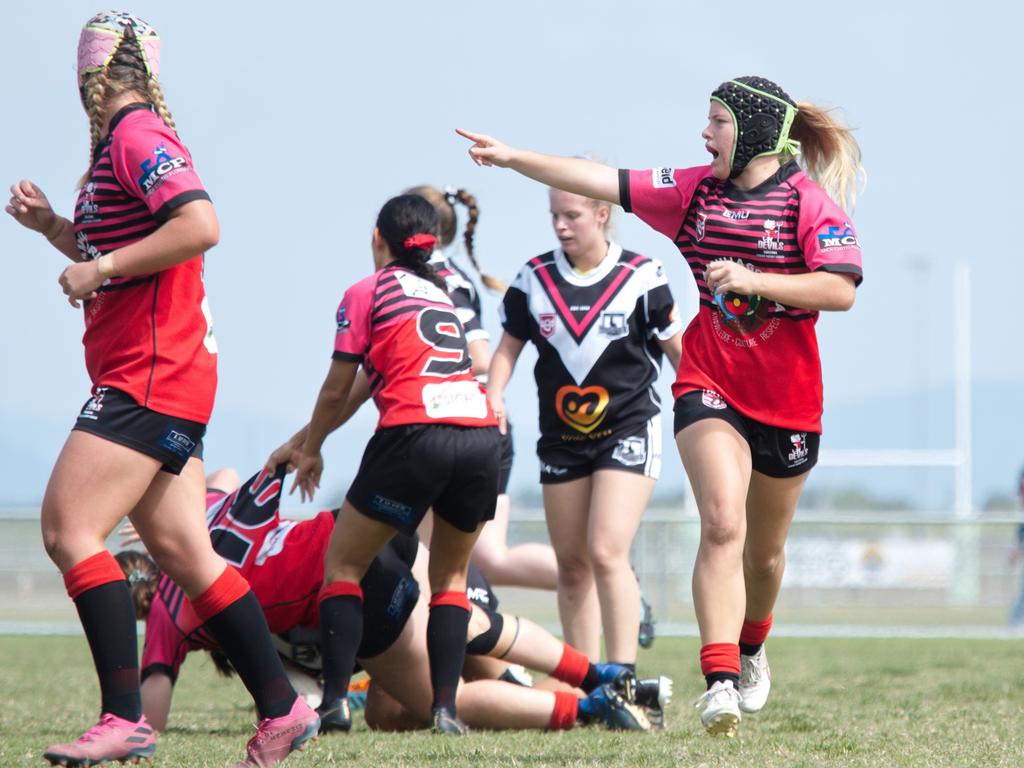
pixel 405 333
pixel 761 356
pixel 150 336
pixel 283 561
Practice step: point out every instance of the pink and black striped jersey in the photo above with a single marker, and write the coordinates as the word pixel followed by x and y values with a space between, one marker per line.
pixel 283 561
pixel 405 333
pixel 149 336
pixel 760 355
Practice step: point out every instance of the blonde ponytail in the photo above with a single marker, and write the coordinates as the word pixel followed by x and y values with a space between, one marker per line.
pixel 830 154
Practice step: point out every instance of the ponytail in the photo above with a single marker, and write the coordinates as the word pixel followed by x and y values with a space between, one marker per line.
pixel 472 215
pixel 831 155
pixel 143 577
pixel 399 222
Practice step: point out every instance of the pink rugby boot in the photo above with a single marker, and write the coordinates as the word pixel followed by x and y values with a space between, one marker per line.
pixel 277 736
pixel 112 738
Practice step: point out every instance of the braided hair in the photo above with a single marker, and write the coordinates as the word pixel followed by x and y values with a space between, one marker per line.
pixel 402 218
pixel 126 73
pixel 444 203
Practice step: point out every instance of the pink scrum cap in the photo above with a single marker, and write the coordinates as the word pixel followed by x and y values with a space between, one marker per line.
pixel 104 32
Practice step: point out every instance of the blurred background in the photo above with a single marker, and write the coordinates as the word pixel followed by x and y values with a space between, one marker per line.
pixel 303 119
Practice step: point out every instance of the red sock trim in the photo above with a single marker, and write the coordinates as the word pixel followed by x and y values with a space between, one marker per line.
pixel 94 571
pixel 457 599
pixel 340 589
pixel 755 632
pixel 572 667
pixel 720 657
pixel 563 716
pixel 226 589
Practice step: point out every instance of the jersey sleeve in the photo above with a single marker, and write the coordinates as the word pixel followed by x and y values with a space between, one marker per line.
pixel 467 309
pixel 826 237
pixel 660 312
pixel 352 339
pixel 660 196
pixel 164 650
pixel 515 307
pixel 150 162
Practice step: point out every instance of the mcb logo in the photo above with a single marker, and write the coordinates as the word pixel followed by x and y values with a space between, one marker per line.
pixel 154 170
pixel 836 238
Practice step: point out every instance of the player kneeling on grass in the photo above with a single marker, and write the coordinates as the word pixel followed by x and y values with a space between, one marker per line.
pixel 283 562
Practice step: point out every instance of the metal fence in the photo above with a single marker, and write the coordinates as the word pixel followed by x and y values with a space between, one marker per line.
pixel 852 573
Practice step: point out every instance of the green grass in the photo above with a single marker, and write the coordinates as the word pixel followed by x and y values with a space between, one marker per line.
pixel 871 703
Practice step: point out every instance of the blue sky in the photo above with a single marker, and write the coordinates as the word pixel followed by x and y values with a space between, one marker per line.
pixel 303 121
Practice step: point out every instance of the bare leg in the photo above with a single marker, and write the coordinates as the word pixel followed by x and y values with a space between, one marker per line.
pixel 225 479
pixel 617 502
pixel 717 461
pixel 525 565
pixel 355 541
pixel 771 503
pixel 402 671
pixel 171 521
pixel 94 485
pixel 567 510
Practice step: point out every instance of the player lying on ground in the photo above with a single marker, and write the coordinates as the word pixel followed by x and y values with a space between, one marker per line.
pixel 497 644
pixel 283 562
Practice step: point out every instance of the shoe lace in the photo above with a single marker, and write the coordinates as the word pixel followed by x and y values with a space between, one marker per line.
pixel 715 691
pixel 751 670
pixel 105 725
pixel 260 737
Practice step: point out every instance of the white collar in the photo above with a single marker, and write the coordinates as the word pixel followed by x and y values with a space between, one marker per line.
pixel 595 275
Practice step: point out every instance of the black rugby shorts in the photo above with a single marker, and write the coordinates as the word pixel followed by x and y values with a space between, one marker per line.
pixel 408 469
pixel 115 416
pixel 774 451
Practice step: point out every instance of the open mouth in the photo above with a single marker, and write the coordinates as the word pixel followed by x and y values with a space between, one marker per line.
pixel 712 150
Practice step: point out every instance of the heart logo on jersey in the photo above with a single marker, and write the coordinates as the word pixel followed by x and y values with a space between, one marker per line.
pixel 582 409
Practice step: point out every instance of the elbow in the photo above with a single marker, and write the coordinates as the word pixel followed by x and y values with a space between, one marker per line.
pixel 845 300
pixel 208 234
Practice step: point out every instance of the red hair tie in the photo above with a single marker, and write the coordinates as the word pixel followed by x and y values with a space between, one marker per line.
pixel 422 240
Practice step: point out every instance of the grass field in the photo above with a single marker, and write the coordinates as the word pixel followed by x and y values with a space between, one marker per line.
pixel 872 703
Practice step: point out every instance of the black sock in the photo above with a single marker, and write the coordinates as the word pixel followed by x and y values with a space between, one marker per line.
pixel 341 632
pixel 446 647
pixel 108 618
pixel 714 677
pixel 590 680
pixel 750 650
pixel 241 632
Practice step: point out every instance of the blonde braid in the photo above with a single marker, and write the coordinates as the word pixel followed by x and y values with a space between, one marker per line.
pixel 156 95
pixel 94 95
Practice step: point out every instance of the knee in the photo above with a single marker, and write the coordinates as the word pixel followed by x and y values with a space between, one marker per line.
pixel 52 544
pixel 574 570
pixel 764 564
pixel 722 523
pixel 66 548
pixel 608 560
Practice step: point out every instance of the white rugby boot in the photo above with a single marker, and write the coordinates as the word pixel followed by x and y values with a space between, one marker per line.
pixel 721 713
pixel 755 681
